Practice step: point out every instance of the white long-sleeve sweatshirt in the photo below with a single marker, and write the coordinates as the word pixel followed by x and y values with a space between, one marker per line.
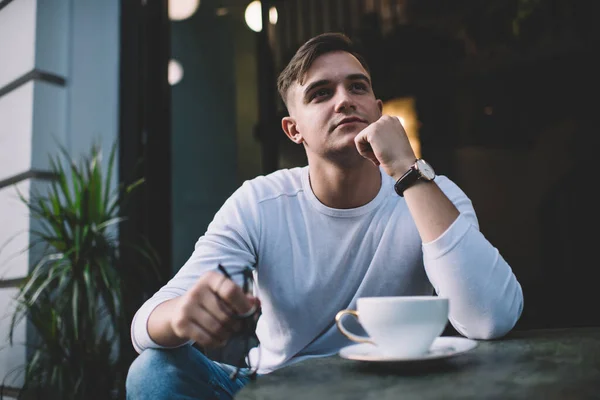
pixel 312 261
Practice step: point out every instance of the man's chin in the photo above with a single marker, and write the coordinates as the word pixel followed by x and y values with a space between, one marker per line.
pixel 346 135
pixel 345 156
pixel 345 145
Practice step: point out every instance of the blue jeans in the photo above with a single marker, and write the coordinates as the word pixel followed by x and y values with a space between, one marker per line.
pixel 182 373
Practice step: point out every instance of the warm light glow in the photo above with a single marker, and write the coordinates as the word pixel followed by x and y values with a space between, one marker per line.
pixel 273 15
pixel 182 9
pixel 253 16
pixel 222 11
pixel 175 72
pixel 404 109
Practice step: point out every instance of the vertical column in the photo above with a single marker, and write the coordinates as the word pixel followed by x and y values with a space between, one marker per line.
pixel 203 125
pixel 268 126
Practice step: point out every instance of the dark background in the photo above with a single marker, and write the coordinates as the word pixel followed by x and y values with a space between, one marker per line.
pixel 505 93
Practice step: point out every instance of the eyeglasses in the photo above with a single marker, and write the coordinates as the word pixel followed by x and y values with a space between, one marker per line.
pixel 247 332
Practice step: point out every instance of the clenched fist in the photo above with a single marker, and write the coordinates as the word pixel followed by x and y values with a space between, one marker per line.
pixel 206 313
pixel 385 143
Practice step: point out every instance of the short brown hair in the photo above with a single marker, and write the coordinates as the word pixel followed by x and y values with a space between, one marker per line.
pixel 301 62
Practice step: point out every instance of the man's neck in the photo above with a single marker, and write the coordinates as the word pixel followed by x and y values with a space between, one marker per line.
pixel 344 187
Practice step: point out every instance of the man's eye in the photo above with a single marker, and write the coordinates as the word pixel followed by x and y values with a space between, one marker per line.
pixel 359 86
pixel 319 93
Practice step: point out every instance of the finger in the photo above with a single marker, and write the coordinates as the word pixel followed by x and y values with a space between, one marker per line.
pixel 220 311
pixel 253 300
pixel 188 318
pixel 364 148
pixel 199 335
pixel 230 293
pixel 257 304
pixel 369 155
pixel 218 331
pixel 361 141
pixel 362 144
pixel 212 302
pixel 373 159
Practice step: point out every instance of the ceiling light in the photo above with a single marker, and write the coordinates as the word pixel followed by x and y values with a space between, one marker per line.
pixel 253 16
pixel 175 72
pixel 182 9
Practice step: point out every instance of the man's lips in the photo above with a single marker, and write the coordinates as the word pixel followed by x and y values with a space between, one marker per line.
pixel 350 120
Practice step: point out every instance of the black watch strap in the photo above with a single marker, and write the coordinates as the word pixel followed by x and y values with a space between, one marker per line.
pixel 406 181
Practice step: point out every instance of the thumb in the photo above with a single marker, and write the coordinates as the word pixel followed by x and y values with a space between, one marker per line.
pixel 253 301
pixel 254 305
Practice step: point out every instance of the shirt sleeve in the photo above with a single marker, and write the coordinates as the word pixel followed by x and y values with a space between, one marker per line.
pixel 231 239
pixel 486 299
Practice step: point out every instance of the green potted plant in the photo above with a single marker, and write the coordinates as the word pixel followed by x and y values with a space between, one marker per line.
pixel 73 296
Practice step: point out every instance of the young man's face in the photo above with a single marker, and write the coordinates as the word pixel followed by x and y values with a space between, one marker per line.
pixel 331 107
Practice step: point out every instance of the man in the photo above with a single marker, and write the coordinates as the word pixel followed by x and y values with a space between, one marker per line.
pixel 362 219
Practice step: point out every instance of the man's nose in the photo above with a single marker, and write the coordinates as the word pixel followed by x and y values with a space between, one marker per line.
pixel 344 102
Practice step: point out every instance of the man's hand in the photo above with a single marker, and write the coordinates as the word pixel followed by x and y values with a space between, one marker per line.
pixel 385 143
pixel 205 313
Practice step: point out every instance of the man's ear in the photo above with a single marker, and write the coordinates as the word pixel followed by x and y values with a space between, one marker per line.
pixel 288 124
pixel 380 105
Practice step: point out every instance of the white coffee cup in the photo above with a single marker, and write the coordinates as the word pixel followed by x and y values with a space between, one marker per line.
pixel 400 326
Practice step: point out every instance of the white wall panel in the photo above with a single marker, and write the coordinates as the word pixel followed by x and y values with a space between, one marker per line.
pixel 16 120
pixel 11 357
pixel 17 39
pixel 14 231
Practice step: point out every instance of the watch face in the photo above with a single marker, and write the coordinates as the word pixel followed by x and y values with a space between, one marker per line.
pixel 426 170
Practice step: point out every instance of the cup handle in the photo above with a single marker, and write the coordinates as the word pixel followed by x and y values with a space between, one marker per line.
pixel 345 332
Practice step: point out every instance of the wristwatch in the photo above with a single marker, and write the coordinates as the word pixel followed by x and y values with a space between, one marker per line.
pixel 419 170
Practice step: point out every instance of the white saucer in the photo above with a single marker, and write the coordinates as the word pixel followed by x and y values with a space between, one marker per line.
pixel 442 347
